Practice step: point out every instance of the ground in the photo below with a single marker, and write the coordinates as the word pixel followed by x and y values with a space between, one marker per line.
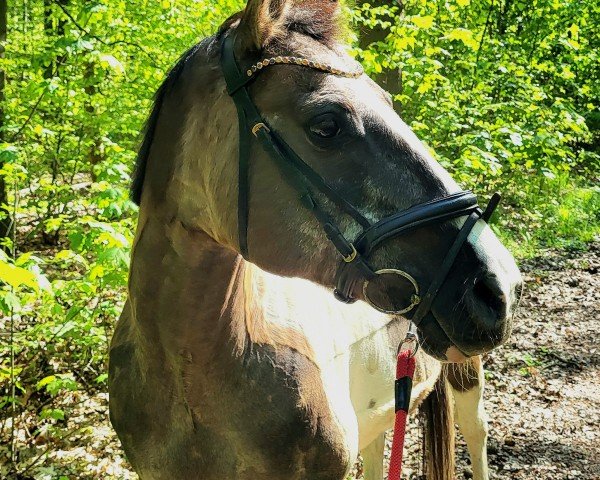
pixel 542 393
pixel 543 386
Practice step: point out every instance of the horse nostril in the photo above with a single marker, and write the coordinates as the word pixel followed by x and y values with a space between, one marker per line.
pixel 489 291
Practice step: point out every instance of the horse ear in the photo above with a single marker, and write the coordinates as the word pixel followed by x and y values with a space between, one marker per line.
pixel 262 20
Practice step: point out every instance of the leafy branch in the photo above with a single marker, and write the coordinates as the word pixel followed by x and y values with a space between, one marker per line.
pixel 101 40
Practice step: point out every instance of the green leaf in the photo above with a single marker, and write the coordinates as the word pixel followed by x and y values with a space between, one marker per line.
pixel 17 276
pixel 9 302
pixel 45 381
pixel 423 21
pixel 53 384
pixel 464 35
pixel 97 271
pixel 77 240
pixel 53 413
pixel 64 255
pixel 8 153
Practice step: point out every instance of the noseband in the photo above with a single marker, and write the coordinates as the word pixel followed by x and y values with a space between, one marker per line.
pixel 354 267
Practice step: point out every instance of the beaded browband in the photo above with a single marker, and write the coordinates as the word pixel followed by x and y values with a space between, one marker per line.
pixel 303 62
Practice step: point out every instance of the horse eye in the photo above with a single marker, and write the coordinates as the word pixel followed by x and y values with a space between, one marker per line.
pixel 326 128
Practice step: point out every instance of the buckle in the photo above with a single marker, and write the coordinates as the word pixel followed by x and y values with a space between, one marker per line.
pixel 257 127
pixel 352 255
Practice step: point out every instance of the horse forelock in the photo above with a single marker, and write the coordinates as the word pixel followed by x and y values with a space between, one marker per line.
pixel 317 19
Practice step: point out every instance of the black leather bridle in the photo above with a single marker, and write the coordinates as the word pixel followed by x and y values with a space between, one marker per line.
pixel 354 266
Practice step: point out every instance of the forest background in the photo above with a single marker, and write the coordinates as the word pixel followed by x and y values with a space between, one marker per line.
pixel 506 93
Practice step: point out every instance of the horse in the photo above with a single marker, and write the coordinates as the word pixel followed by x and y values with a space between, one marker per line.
pixel 273 170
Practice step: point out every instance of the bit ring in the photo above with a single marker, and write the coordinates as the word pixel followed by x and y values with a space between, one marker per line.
pixel 415 299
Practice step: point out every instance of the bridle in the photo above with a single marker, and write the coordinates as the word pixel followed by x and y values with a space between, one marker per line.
pixel 354 267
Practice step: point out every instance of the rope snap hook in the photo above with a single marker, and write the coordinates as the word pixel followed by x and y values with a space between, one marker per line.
pixel 411 337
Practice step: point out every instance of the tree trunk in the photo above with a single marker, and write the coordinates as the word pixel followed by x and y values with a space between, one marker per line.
pixel 95 156
pixel 6 223
pixel 389 80
pixel 55 22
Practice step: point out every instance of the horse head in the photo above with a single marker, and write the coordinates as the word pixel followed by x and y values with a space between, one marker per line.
pixel 333 185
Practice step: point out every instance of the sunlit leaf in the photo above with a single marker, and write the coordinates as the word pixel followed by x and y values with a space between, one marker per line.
pixel 108 61
pixel 516 139
pixel 45 381
pixel 17 276
pixel 423 22
pixel 53 413
pixel 464 35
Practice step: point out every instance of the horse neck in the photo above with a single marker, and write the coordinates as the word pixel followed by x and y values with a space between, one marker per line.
pixel 180 283
pixel 191 294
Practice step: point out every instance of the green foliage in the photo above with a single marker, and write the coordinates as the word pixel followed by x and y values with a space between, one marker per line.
pixel 556 213
pixel 507 96
pixel 80 82
pixel 505 93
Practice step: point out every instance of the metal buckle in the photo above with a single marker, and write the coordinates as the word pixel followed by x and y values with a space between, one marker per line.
pixel 415 299
pixel 352 255
pixel 257 127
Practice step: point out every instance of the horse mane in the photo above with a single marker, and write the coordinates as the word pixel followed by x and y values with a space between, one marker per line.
pixel 139 172
pixel 317 19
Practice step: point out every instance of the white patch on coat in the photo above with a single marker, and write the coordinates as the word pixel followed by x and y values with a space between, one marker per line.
pixel 351 348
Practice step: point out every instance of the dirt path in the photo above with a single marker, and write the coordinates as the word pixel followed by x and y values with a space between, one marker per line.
pixel 544 395
pixel 543 392
pixel 543 386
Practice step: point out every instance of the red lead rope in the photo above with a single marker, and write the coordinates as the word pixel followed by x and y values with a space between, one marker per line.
pixel 405 369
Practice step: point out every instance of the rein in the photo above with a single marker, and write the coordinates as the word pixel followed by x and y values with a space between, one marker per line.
pixel 405 370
